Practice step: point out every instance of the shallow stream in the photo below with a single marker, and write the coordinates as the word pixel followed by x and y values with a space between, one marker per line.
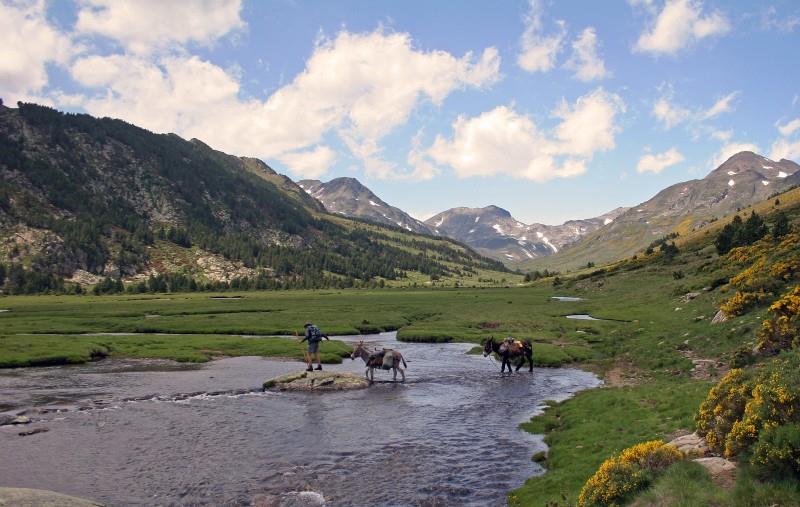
pixel 162 433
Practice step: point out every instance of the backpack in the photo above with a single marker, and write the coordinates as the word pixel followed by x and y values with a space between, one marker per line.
pixel 314 334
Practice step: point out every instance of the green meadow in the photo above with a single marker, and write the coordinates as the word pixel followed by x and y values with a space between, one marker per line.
pixel 656 317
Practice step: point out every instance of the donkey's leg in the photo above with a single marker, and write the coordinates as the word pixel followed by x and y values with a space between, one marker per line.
pixel 402 375
pixel 394 374
pixel 520 363
pixel 530 361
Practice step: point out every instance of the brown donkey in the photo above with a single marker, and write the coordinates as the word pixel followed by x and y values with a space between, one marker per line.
pixel 375 360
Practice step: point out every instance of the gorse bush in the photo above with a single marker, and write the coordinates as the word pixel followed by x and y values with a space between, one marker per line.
pixel 622 475
pixel 780 332
pixel 723 406
pixel 777 453
pixel 741 302
pixel 746 403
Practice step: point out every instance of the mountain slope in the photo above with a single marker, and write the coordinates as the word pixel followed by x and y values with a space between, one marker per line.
pixel 744 179
pixel 493 232
pixel 86 198
pixel 347 196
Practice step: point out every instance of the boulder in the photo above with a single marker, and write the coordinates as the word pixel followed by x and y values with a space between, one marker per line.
pixel 24 497
pixel 291 499
pixel 689 296
pixel 692 445
pixel 316 381
pixel 720 317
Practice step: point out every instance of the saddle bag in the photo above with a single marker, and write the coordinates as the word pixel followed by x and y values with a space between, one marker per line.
pixel 388 359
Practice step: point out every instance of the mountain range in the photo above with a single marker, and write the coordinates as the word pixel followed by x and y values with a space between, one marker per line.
pixel 744 179
pixel 84 198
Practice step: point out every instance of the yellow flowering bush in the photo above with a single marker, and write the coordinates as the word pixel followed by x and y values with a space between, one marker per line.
pixel 777 452
pixel 621 475
pixel 724 406
pixel 741 302
pixel 781 331
pixel 743 405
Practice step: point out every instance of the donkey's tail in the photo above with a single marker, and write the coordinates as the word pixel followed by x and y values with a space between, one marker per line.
pixel 404 361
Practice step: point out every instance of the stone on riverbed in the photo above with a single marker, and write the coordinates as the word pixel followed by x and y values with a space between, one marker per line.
pixel 317 381
pixel 24 497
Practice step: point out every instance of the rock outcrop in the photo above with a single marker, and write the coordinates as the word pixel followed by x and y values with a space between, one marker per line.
pixel 316 381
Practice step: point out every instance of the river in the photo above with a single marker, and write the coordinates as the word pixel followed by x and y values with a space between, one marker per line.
pixel 127 432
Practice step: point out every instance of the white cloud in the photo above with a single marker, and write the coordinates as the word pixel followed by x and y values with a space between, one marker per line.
pixel 585 61
pixel 789 127
pixel 679 25
pixel 539 52
pixel 771 20
pixel 668 113
pixel 671 114
pixel 658 162
pixel 360 86
pixel 722 135
pixel 27 44
pixel 424 169
pixel 722 105
pixel 502 141
pixel 589 125
pixel 142 26
pixel 309 164
pixel 784 148
pixel 730 149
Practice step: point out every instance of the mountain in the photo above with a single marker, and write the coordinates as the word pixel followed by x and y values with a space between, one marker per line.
pixel 742 180
pixel 347 196
pixel 83 198
pixel 493 232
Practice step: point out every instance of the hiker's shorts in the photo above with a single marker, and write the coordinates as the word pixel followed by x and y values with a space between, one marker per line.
pixel 313 347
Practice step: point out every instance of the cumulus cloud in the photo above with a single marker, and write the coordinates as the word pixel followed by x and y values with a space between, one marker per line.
pixel 585 61
pixel 142 26
pixel 358 85
pixel 789 128
pixel 310 163
pixel 784 148
pixel 503 141
pixel 538 51
pixel 671 114
pixel 680 24
pixel 655 163
pixel 28 43
pixel 730 149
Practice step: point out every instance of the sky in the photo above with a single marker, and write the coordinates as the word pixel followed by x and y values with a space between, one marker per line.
pixel 553 110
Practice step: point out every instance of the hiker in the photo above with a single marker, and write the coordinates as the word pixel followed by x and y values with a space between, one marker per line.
pixel 313 335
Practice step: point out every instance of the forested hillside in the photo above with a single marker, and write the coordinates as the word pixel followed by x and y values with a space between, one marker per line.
pixel 91 200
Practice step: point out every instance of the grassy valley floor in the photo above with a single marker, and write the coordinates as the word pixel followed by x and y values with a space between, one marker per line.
pixel 656 348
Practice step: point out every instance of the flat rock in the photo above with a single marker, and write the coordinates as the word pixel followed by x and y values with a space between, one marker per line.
pixel 316 381
pixel 291 499
pixel 722 471
pixel 692 445
pixel 24 497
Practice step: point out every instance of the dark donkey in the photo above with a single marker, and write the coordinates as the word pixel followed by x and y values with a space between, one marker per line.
pixel 508 350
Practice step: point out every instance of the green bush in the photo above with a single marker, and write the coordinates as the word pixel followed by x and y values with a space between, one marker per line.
pixel 777 452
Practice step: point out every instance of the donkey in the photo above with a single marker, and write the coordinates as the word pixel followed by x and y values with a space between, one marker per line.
pixel 507 351
pixel 375 360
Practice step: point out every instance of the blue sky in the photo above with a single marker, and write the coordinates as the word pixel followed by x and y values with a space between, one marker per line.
pixel 552 110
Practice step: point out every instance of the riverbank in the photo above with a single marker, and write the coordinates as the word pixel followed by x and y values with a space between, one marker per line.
pixel 51 350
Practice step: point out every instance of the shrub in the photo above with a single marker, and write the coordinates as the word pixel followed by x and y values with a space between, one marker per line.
pixel 723 406
pixel 781 331
pixel 776 455
pixel 633 469
pixel 743 404
pixel 741 302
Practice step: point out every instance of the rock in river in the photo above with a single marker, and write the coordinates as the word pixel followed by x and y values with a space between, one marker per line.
pixel 316 381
